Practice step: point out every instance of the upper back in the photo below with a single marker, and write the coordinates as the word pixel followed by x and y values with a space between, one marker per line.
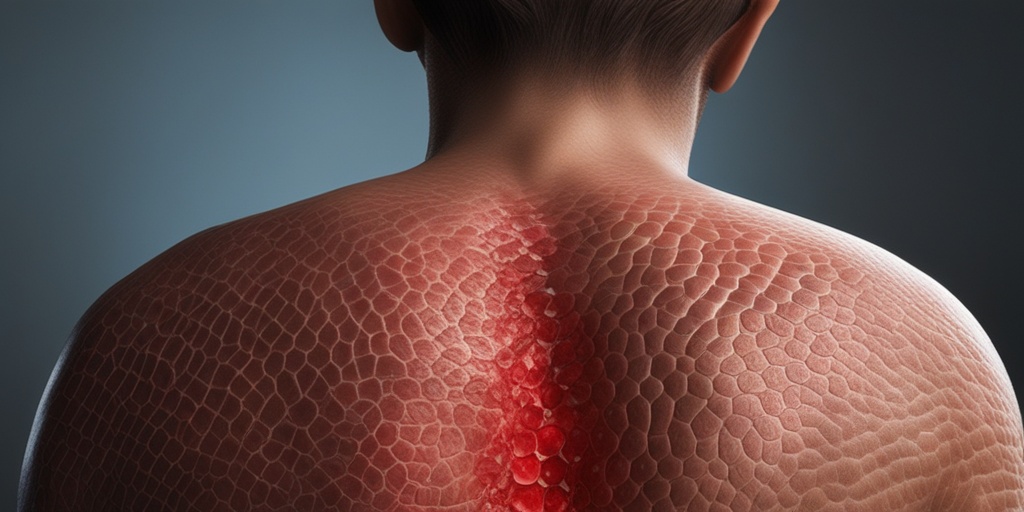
pixel 415 344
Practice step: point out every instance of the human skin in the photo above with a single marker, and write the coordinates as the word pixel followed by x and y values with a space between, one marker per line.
pixel 384 346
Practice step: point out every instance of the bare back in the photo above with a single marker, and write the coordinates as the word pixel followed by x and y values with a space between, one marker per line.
pixel 424 345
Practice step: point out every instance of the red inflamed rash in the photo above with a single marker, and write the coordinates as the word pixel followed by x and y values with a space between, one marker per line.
pixel 542 443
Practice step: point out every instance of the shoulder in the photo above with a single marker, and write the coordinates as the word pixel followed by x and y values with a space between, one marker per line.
pixel 872 288
pixel 889 345
pixel 865 292
pixel 289 257
pixel 199 340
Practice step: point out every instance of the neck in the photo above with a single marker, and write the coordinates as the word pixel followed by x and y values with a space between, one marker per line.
pixel 538 129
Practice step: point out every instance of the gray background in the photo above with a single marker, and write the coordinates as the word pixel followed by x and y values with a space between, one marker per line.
pixel 126 126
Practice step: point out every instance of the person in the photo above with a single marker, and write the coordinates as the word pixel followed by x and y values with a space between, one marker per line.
pixel 545 315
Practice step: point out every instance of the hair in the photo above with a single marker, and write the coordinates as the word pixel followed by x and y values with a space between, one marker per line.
pixel 661 40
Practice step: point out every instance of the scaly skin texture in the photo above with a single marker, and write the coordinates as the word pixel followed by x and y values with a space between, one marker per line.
pixel 416 344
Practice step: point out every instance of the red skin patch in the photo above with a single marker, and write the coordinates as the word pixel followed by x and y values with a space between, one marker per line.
pixel 541 377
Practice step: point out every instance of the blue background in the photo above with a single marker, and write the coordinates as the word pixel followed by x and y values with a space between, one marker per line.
pixel 127 126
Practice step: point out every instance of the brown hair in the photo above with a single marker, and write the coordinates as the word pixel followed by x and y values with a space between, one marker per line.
pixel 661 40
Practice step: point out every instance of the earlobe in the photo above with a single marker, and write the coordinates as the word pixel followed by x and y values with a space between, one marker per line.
pixel 401 23
pixel 729 54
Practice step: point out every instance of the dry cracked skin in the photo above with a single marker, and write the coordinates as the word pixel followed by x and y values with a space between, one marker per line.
pixel 417 345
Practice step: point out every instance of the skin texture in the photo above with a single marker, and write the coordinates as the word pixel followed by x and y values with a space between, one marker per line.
pixel 658 347
pixel 547 315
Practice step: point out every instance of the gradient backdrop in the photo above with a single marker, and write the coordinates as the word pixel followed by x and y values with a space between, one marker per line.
pixel 126 126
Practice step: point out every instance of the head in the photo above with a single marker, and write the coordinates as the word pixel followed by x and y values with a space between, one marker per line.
pixel 660 43
pixel 476 51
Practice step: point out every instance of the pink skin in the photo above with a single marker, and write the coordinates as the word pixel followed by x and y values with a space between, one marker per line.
pixel 708 354
pixel 547 315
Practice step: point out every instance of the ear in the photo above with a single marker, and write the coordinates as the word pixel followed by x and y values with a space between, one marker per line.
pixel 729 54
pixel 401 23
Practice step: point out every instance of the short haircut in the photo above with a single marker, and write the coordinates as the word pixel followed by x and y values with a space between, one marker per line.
pixel 662 40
